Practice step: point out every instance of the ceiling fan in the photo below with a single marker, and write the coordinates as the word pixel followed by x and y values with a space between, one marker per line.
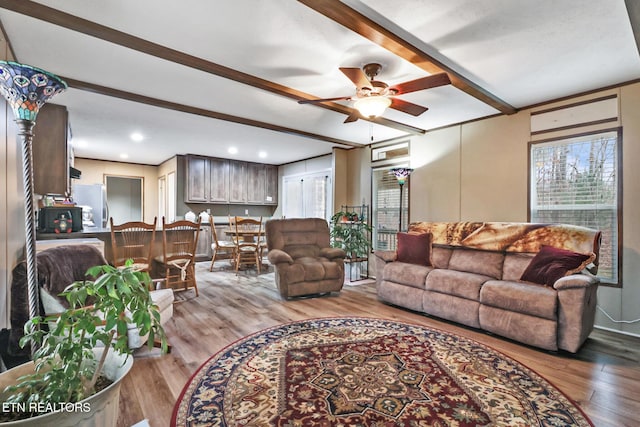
pixel 372 96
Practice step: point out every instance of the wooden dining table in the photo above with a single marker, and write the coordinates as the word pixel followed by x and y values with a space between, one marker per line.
pixel 247 235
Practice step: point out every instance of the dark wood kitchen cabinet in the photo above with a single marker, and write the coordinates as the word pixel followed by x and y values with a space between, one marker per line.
pixel 51 150
pixel 216 180
pixel 262 184
pixel 219 191
pixel 197 190
pixel 237 182
pixel 271 185
pixel 207 180
pixel 255 183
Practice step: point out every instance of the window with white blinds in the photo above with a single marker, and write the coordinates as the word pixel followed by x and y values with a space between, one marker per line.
pixel 577 181
pixel 307 196
pixel 386 208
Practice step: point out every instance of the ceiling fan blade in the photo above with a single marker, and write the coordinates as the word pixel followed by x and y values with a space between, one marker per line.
pixel 428 82
pixel 407 107
pixel 357 76
pixel 314 101
pixel 352 117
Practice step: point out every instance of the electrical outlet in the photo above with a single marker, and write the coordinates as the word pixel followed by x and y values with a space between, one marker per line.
pixel 246 211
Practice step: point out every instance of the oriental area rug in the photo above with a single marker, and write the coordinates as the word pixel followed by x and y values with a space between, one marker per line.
pixel 361 372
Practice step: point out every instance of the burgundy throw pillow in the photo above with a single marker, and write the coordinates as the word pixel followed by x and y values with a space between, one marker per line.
pixel 551 263
pixel 414 248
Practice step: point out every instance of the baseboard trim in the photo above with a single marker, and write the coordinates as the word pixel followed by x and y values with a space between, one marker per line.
pixel 617 331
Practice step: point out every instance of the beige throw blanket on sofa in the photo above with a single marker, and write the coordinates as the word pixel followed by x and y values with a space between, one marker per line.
pixel 511 236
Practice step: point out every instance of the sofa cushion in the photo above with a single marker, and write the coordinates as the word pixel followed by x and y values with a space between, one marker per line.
pixel 414 248
pixel 450 307
pixel 526 298
pixel 550 264
pixel 515 264
pixel 486 263
pixel 307 269
pixel 458 283
pixel 521 327
pixel 406 274
pixel 440 255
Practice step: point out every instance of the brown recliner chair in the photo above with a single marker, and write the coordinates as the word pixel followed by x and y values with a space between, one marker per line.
pixel 305 263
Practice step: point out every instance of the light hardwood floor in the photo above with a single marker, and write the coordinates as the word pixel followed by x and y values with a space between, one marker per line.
pixel 603 378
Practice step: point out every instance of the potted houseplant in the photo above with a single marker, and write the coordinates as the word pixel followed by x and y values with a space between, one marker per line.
pixel 351 233
pixel 82 353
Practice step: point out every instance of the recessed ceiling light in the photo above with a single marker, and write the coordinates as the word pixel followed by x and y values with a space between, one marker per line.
pixel 262 154
pixel 124 156
pixel 232 150
pixel 137 136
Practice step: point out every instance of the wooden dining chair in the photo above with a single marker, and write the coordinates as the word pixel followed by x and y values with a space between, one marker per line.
pixel 247 236
pixel 262 240
pixel 232 227
pixel 220 247
pixel 179 243
pixel 133 240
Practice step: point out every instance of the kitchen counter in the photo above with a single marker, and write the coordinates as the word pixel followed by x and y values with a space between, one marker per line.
pixel 104 234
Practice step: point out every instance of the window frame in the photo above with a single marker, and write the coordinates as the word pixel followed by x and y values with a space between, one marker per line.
pixel 619 190
pixel 374 217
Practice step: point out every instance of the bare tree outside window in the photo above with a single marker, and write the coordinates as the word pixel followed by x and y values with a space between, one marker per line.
pixel 576 181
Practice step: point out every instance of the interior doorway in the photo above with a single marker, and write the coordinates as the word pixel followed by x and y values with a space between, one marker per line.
pixel 125 197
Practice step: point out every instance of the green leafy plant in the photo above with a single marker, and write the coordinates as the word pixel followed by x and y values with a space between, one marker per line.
pixel 66 368
pixel 351 233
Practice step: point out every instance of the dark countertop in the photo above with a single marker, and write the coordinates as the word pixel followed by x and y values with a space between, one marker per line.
pixel 87 232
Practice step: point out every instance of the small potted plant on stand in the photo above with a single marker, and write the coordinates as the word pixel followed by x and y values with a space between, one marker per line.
pixel 79 361
pixel 351 233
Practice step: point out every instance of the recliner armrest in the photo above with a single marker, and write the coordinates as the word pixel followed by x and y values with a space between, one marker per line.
pixel 577 280
pixel 386 256
pixel 278 256
pixel 332 253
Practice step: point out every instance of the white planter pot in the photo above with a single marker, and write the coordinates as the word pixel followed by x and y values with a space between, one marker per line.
pixel 98 410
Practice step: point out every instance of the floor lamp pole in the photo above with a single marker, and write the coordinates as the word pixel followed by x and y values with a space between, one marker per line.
pixel 25 131
pixel 400 216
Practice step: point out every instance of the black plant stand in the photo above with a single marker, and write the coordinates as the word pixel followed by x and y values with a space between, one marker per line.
pixel 357 268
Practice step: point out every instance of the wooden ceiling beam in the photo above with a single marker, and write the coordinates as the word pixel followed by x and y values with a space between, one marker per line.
pixel 84 26
pixel 633 9
pixel 129 96
pixel 366 27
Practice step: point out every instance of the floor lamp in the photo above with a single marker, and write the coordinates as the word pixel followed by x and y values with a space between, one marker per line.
pixel 401 175
pixel 27 89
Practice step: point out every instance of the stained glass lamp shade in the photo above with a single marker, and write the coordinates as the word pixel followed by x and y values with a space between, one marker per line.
pixel 27 89
pixel 401 174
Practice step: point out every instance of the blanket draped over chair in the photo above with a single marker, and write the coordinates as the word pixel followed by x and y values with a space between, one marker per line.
pixel 58 267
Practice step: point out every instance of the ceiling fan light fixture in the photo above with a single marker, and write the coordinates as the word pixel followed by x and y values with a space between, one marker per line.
pixel 372 106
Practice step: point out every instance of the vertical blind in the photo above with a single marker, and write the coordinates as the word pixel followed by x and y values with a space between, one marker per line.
pixel 576 181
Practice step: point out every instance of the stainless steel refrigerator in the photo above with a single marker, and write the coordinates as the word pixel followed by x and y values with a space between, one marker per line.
pixel 94 197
